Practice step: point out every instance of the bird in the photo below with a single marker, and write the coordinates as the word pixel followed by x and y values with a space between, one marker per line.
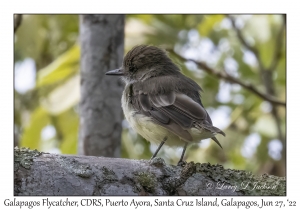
pixel 160 103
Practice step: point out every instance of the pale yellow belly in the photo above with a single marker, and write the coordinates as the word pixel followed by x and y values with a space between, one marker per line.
pixel 153 132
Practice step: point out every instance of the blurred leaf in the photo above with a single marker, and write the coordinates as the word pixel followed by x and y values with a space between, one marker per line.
pixel 63 97
pixel 32 133
pixel 257 28
pixel 236 158
pixel 145 18
pixel 266 50
pixel 63 67
pixel 262 150
pixel 261 29
pixel 44 37
pixel 266 125
pixel 133 142
pixel 67 124
pixel 208 23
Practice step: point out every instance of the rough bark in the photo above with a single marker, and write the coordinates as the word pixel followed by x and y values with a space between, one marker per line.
pixel 38 173
pixel 102 46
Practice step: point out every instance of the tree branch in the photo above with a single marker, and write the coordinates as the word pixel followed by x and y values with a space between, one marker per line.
pixel 45 174
pixel 17 22
pixel 231 79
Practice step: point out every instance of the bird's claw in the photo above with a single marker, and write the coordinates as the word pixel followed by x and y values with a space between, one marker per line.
pixel 181 163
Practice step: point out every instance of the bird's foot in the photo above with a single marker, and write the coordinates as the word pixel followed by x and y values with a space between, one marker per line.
pixel 181 163
pixel 157 161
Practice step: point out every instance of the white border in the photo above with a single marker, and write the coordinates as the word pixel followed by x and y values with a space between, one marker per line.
pixel 153 6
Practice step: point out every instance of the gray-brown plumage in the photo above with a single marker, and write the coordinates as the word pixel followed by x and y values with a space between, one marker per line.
pixel 160 103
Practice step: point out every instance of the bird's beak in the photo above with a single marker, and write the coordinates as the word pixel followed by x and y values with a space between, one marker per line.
pixel 116 72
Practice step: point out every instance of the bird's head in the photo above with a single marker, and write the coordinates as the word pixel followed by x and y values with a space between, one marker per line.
pixel 143 62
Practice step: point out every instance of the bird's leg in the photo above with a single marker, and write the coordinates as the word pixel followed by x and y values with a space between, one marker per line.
pixel 161 144
pixel 181 163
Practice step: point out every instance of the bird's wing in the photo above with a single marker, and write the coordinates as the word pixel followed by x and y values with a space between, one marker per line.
pixel 174 111
pixel 179 107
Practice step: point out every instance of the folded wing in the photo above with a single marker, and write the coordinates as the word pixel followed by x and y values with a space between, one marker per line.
pixel 174 111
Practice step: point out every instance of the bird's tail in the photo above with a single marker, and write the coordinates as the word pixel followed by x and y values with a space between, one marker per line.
pixel 214 130
pixel 217 130
pixel 216 140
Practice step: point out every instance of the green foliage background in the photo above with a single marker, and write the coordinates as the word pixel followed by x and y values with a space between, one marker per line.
pixel 52 42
